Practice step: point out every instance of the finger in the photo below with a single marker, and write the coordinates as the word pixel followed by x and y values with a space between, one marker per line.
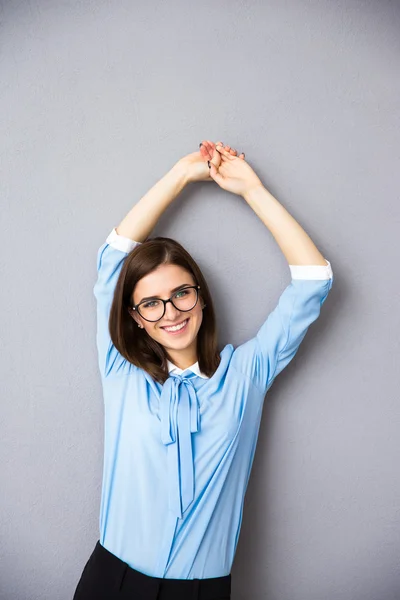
pixel 222 147
pixel 225 153
pixel 215 174
pixel 204 151
pixel 230 149
pixel 211 143
pixel 210 147
pixel 216 157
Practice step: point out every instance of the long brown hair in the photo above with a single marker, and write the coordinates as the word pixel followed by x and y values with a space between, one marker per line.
pixel 134 343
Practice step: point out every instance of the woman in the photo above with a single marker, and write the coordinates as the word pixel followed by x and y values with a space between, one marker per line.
pixel 182 418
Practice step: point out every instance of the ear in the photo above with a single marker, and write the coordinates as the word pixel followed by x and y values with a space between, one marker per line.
pixel 134 316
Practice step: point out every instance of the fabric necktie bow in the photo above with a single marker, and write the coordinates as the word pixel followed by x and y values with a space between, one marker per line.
pixel 180 416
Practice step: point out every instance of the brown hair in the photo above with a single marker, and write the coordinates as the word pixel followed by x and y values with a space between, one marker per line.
pixel 134 343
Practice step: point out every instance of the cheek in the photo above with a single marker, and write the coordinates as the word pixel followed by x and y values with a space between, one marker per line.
pixel 197 315
pixel 152 331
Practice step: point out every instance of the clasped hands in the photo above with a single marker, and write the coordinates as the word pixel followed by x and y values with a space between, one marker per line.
pixel 231 172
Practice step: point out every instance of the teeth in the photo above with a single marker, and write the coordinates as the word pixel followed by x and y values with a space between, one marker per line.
pixel 177 327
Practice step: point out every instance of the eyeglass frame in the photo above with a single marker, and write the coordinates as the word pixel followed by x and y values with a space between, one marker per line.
pixel 196 287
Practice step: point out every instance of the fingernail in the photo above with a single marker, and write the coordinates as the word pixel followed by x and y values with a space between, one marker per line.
pixel 209 165
pixel 201 143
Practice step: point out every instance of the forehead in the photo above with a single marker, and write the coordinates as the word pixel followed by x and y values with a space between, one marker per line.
pixel 161 281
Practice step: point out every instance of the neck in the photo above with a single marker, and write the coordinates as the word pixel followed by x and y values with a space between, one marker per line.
pixel 183 358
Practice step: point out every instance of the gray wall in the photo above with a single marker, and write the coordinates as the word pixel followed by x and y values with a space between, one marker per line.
pixel 98 101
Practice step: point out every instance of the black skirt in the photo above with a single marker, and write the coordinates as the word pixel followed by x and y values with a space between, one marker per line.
pixel 106 577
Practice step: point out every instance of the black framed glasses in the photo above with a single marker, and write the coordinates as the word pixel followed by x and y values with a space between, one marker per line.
pixel 153 309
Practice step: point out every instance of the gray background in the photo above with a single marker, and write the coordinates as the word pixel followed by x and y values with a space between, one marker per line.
pixel 98 101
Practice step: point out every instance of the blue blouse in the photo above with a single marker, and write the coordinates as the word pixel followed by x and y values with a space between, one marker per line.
pixel 177 456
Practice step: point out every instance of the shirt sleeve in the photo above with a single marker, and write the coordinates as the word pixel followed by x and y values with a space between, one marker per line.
pixel 264 356
pixel 110 258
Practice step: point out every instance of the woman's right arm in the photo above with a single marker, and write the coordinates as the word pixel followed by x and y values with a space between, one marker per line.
pixel 142 218
pixel 132 230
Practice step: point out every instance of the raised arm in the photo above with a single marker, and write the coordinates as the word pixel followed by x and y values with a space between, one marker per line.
pixel 132 230
pixel 142 218
pixel 294 242
pixel 237 176
pixel 264 356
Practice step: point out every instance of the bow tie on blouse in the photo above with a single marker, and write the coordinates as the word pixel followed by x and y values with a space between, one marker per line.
pixel 180 417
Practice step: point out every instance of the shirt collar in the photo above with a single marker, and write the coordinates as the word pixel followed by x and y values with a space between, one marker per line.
pixel 194 368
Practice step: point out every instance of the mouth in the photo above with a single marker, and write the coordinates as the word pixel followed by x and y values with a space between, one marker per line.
pixel 180 328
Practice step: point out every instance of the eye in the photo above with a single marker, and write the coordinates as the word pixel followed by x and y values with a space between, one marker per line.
pixel 151 303
pixel 184 292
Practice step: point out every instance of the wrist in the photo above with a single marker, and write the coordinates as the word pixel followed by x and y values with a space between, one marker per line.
pixel 180 173
pixel 253 191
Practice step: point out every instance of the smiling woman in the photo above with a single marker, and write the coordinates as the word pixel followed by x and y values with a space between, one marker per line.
pixel 182 415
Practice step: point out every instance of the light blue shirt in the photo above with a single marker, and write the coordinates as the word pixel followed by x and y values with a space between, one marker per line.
pixel 177 456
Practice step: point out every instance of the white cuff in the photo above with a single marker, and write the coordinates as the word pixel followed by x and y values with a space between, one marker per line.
pixel 311 271
pixel 119 242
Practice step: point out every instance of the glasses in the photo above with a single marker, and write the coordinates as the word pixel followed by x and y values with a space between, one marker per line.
pixel 154 309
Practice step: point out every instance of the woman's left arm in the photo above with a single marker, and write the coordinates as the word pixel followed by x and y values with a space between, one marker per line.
pixel 277 341
pixel 235 175
pixel 294 242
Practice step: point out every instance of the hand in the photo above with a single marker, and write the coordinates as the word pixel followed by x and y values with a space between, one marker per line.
pixel 195 164
pixel 208 151
pixel 234 174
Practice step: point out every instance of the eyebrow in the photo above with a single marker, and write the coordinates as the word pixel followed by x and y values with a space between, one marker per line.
pixel 172 291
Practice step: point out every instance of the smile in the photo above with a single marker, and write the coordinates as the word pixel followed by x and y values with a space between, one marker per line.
pixel 178 328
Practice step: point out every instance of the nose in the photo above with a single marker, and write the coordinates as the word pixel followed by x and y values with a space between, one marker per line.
pixel 170 311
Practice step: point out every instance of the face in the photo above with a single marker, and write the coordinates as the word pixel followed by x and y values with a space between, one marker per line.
pixel 160 283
